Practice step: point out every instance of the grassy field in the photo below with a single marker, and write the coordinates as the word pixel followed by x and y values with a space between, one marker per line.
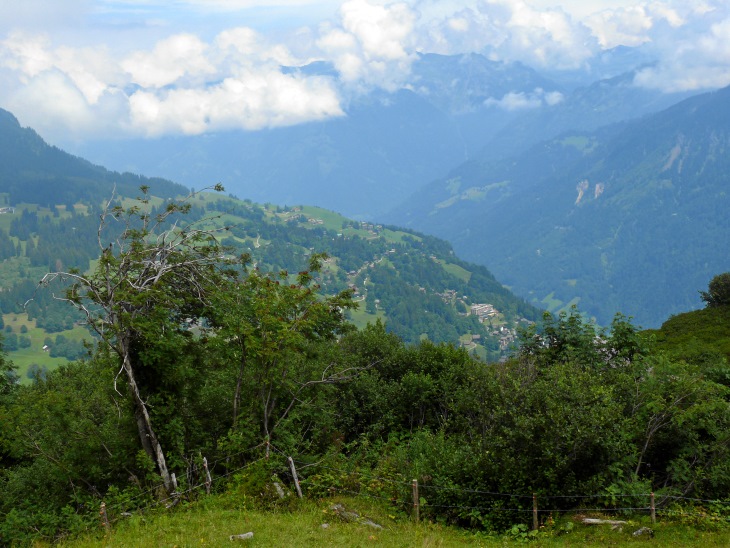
pixel 360 318
pixel 461 273
pixel 212 521
pixel 331 220
pixel 554 305
pixel 23 358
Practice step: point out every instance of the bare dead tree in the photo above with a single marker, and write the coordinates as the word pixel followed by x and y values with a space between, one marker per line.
pixel 147 264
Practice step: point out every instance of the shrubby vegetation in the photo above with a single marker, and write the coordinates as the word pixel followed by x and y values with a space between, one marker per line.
pixel 201 354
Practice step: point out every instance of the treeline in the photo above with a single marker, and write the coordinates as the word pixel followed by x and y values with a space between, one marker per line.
pixel 56 243
pixel 572 415
pixel 50 314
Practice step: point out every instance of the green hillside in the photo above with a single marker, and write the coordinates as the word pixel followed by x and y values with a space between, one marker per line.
pixel 228 375
pixel 50 203
pixel 701 337
pixel 413 282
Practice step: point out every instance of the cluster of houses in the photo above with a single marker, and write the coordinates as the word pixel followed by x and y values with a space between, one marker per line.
pixel 370 226
pixel 484 312
pixel 4 210
pixel 506 336
pixel 448 296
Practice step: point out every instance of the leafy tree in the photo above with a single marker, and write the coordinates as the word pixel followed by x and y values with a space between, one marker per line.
pixel 568 338
pixel 69 441
pixel 152 285
pixel 268 327
pixel 680 426
pixel 8 378
pixel 11 342
pixel 718 293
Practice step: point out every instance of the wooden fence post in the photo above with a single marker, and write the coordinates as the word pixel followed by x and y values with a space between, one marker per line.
pixel 652 508
pixel 103 516
pixel 296 479
pixel 535 522
pixel 208 481
pixel 416 503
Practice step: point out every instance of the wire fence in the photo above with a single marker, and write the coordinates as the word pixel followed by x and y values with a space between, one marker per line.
pixel 428 498
pixel 168 500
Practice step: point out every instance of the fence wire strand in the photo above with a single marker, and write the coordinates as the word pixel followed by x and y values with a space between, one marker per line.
pixel 403 500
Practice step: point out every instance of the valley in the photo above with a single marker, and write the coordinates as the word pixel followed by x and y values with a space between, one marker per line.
pixel 364 272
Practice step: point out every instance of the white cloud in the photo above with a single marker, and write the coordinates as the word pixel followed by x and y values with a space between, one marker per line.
pixel 522 101
pixel 553 98
pixel 373 45
pixel 702 62
pixel 73 79
pixel 509 30
pixel 250 101
pixel 90 69
pixel 627 27
pixel 691 45
pixel 27 54
pixel 54 105
pixel 181 85
pixel 172 59
pixel 515 101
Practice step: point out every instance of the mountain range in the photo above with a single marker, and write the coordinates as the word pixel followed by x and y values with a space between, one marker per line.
pixel 613 193
pixel 628 218
pixel 389 144
pixel 31 171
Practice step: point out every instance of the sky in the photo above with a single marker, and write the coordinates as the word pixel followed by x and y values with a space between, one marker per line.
pixel 91 69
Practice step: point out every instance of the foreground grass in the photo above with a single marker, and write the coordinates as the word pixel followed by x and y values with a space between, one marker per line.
pixel 208 524
pixel 212 521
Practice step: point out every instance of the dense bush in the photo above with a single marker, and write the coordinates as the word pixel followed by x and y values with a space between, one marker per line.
pixel 227 363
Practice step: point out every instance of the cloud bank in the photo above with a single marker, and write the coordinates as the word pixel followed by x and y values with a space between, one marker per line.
pixel 197 81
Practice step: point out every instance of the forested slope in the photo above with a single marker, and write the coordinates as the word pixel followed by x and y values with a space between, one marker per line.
pixel 31 171
pixel 413 282
pixel 628 218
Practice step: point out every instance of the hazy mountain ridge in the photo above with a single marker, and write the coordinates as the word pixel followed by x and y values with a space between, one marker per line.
pixel 33 171
pixel 390 143
pixel 387 144
pixel 589 108
pixel 453 109
pixel 643 237
pixel 384 146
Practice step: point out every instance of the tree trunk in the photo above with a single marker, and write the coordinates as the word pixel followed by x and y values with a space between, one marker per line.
pixel 144 426
pixel 239 382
